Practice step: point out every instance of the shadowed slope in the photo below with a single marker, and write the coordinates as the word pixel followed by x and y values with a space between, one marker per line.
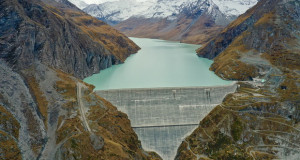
pixel 59 35
pixel 45 112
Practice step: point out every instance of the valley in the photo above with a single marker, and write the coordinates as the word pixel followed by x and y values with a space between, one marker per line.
pixel 165 89
pixel 159 63
pixel 163 117
pixel 196 80
pixel 188 21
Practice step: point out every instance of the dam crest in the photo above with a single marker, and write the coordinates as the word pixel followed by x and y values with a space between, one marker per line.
pixel 163 117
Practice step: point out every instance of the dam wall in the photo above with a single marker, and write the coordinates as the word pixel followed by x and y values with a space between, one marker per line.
pixel 163 117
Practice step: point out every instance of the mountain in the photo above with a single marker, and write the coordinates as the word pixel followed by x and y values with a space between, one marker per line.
pixel 195 23
pixel 80 4
pixel 46 111
pixel 261 120
pixel 191 21
pixel 119 10
pixel 234 7
pixel 91 43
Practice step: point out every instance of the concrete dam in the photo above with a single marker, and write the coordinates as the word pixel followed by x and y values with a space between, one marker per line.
pixel 163 117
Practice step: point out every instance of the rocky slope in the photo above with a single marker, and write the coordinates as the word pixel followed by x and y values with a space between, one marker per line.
pixel 61 36
pixel 195 23
pixel 191 21
pixel 261 120
pixel 45 112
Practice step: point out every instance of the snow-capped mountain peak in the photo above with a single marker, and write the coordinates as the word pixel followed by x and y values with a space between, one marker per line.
pixel 79 3
pixel 234 7
pixel 115 11
pixel 120 10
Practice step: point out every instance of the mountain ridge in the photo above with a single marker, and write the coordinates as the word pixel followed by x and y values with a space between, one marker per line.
pixel 159 9
pixel 112 49
pixel 261 120
pixel 46 110
pixel 195 23
pixel 169 20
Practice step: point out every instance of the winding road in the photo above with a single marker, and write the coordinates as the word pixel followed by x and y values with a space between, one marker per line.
pixel 81 106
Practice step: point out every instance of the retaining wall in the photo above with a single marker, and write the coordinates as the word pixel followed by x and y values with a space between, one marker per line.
pixel 163 117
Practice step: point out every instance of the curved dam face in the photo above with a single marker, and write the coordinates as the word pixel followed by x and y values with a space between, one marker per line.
pixel 163 117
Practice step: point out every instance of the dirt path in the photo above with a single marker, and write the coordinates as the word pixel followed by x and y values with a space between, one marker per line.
pixel 189 148
pixel 81 106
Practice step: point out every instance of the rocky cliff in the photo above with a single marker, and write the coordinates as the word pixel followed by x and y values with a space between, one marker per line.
pixel 220 42
pixel 45 111
pixel 261 120
pixel 59 35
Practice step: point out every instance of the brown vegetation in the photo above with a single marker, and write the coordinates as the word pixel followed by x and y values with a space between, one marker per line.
pixel 260 120
pixel 9 147
pixel 41 100
pixel 112 40
pixel 182 31
pixel 234 129
pixel 120 141
pixel 9 135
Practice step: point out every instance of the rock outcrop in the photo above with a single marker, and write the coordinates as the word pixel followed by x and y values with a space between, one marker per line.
pixel 45 111
pixel 261 120
pixel 59 35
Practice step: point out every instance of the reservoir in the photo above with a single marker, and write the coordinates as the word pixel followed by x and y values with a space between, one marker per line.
pixel 165 89
pixel 159 63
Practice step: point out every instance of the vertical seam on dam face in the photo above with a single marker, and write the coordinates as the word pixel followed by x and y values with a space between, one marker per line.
pixel 163 117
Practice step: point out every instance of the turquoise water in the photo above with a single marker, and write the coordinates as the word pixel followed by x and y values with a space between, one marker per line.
pixel 158 64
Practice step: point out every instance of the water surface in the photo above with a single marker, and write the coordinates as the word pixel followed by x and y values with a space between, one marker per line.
pixel 159 63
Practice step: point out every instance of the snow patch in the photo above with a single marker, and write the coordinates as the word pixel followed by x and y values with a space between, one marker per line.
pixel 234 7
pixel 120 10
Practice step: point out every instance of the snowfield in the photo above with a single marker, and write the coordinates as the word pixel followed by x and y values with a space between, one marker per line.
pixel 120 10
